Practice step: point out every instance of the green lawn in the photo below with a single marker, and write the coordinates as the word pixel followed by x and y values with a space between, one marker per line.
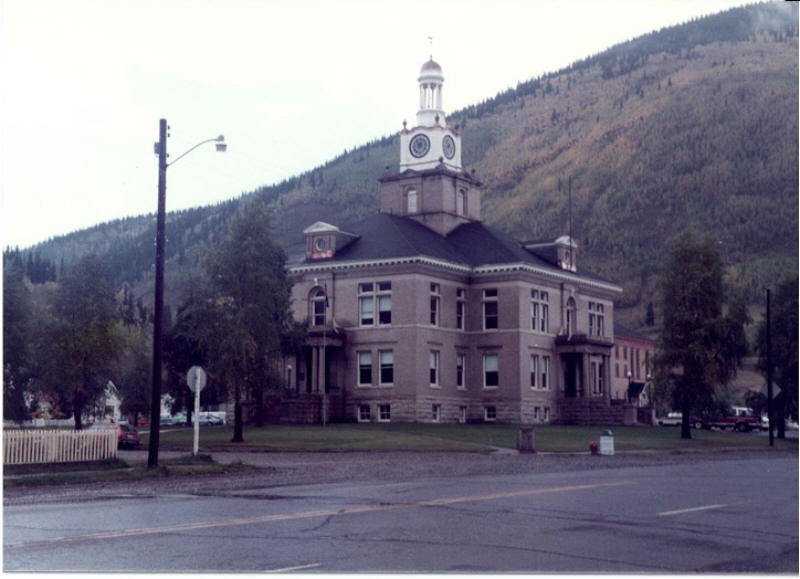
pixel 453 438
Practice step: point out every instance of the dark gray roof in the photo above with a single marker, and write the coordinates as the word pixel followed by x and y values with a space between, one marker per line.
pixel 385 236
pixel 622 331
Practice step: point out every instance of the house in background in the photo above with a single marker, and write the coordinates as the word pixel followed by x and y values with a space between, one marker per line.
pixel 421 313
pixel 633 366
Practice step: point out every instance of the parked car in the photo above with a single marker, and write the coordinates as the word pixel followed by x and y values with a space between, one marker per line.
pixel 671 419
pixel 736 418
pixel 166 420
pixel 208 419
pixel 127 435
pixel 675 419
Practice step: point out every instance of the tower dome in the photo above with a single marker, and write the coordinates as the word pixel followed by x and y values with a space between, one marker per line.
pixel 431 68
pixel 430 81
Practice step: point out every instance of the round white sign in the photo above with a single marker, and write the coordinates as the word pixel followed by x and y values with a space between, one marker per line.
pixel 196 378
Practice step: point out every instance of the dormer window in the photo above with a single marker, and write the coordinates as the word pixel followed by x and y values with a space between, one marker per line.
pixel 412 205
pixel 323 240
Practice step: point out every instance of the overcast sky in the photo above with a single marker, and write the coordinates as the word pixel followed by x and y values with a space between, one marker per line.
pixel 290 84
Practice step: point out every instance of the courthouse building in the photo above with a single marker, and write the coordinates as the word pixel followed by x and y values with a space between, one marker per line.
pixel 421 313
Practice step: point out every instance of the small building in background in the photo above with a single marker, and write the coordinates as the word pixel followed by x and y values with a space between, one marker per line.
pixel 633 366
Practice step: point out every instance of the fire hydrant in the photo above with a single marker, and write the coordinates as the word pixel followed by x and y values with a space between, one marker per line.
pixel 593 447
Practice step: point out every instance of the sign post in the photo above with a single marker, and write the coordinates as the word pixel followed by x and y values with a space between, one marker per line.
pixel 196 379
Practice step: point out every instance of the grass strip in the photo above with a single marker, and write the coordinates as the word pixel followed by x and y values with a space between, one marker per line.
pixel 119 470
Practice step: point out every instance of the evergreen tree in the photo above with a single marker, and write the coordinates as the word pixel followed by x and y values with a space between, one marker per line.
pixel 700 347
pixel 650 317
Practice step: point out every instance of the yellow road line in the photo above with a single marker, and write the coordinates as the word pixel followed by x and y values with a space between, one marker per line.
pixel 183 527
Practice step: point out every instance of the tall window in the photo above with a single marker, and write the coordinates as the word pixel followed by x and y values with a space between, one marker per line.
pixel 534 370
pixel 540 311
pixel 570 316
pixel 434 367
pixel 461 308
pixel 460 363
pixel 596 319
pixel 318 306
pixel 384 413
pixel 461 202
pixel 434 317
pixel 363 413
pixel 544 382
pixel 436 412
pixel 366 304
pixel 491 373
pixel 489 413
pixel 412 206
pixel 387 366
pixel 365 368
pixel 490 310
pixel 370 294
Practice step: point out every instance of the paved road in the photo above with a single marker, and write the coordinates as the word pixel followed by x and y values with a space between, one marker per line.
pixel 738 514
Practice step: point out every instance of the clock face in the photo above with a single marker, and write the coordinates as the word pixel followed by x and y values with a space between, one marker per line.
pixel 320 244
pixel 419 145
pixel 449 147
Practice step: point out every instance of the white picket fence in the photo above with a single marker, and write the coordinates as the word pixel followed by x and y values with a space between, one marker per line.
pixel 46 446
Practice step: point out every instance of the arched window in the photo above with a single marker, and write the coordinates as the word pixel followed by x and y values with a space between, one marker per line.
pixel 317 306
pixel 570 316
pixel 461 202
pixel 412 205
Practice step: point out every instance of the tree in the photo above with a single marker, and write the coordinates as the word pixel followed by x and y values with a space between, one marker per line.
pixel 700 346
pixel 250 309
pixel 185 346
pixel 135 371
pixel 783 336
pixel 16 348
pixel 81 340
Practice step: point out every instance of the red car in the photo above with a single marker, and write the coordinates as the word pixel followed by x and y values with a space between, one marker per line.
pixel 127 435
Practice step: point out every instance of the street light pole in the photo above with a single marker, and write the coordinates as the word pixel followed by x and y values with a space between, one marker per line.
pixel 158 306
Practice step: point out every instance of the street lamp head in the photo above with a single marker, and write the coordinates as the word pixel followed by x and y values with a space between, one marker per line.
pixel 222 146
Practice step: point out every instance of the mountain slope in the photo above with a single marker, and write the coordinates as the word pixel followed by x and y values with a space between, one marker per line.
pixel 693 126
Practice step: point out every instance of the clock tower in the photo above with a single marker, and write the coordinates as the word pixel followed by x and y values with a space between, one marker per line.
pixel 431 187
pixel 431 142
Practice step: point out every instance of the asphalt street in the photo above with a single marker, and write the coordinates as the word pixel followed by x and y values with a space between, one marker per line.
pixel 732 515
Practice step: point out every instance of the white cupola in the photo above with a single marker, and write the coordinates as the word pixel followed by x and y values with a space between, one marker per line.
pixel 430 143
pixel 430 95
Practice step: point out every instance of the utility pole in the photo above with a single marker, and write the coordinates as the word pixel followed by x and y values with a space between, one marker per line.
pixel 769 375
pixel 158 308
pixel 158 305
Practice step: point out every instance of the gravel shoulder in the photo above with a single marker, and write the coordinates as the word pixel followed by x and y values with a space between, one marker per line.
pixel 282 469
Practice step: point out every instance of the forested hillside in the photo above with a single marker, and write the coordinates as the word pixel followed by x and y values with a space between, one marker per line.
pixel 694 126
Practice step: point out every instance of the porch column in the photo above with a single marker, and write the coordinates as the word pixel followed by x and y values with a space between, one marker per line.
pixel 323 387
pixel 586 374
pixel 607 378
pixel 314 378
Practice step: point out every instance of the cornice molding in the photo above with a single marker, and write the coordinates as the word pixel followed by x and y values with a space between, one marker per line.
pixel 483 270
